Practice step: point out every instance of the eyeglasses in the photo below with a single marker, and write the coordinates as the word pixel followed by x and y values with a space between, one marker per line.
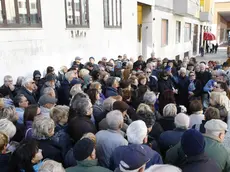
pixel 32 82
pixel 148 72
pixel 191 75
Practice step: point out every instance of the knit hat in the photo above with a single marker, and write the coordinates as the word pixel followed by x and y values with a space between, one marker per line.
pixel 50 77
pixel 182 120
pixel 192 142
pixel 120 105
pixel 83 149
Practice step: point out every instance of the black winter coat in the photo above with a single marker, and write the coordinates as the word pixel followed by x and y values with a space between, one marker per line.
pixel 199 163
pixel 31 97
pixel 80 125
pixel 4 162
pixel 51 150
pixel 64 93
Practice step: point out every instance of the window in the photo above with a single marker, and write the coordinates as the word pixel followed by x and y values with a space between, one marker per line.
pixel 164 32
pixel 20 13
pixel 77 13
pixel 178 31
pixel 112 13
pixel 187 32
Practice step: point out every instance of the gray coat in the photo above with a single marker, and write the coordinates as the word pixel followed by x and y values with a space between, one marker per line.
pixel 107 141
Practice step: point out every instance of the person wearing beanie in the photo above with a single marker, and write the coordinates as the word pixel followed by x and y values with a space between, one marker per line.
pixel 213 137
pixel 170 138
pixel 85 154
pixel 193 145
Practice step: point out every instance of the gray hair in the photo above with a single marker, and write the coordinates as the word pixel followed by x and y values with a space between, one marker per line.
pixel 114 120
pixel 182 121
pixel 150 97
pixel 108 104
pixel 20 80
pixel 7 78
pixel 163 168
pixel 26 81
pixel 48 90
pixel 7 127
pixel 51 166
pixel 68 75
pixel 136 132
pixel 81 105
pixel 9 113
pixel 42 127
pixel 58 112
pixel 170 110
pixel 75 89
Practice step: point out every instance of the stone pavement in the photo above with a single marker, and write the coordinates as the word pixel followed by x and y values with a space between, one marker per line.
pixel 221 56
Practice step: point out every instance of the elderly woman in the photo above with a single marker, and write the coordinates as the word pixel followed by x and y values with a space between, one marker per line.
pixel 220 101
pixel 19 81
pixel 11 114
pixel 104 146
pixel 43 130
pixel 170 138
pixel 182 84
pixel 112 86
pixel 81 110
pixel 20 102
pixel 169 113
pixel 97 85
pixel 30 112
pixel 51 166
pixel 194 87
pixel 196 112
pixel 84 75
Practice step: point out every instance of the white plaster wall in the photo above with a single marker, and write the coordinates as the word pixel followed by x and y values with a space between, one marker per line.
pixel 172 49
pixel 24 50
pixel 164 3
pixel 147 2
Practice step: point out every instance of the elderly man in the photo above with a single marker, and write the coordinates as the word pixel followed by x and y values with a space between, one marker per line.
pixel 8 84
pixel 136 134
pixel 46 103
pixel 49 82
pixel 79 117
pixel 109 140
pixel 214 136
pixel 49 91
pixel 27 89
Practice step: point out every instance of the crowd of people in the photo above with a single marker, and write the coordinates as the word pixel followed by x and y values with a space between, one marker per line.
pixel 118 115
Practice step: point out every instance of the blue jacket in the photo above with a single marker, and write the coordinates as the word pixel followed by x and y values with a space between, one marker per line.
pixel 208 85
pixel 20 112
pixel 170 138
pixel 110 91
pixel 117 154
pixel 4 162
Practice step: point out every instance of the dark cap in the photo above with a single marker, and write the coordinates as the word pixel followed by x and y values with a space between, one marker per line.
pixel 77 58
pixel 83 149
pixel 45 99
pixel 50 77
pixel 134 156
pixel 120 105
pixel 92 58
pixel 192 142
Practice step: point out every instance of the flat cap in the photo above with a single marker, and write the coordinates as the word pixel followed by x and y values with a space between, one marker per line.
pixel 216 125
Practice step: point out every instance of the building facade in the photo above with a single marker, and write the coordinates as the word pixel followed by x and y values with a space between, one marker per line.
pixel 38 33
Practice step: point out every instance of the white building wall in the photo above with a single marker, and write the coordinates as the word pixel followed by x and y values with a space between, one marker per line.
pixel 172 49
pixel 24 50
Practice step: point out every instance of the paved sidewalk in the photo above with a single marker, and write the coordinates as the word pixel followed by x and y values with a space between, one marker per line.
pixel 220 56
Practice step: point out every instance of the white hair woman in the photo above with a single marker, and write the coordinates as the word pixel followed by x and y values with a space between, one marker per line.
pixel 169 113
pixel 51 166
pixel 43 130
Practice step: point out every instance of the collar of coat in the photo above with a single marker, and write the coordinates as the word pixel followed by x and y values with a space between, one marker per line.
pixel 212 137
pixel 88 163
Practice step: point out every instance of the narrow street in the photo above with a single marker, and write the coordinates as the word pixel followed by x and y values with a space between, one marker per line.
pixel 220 56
